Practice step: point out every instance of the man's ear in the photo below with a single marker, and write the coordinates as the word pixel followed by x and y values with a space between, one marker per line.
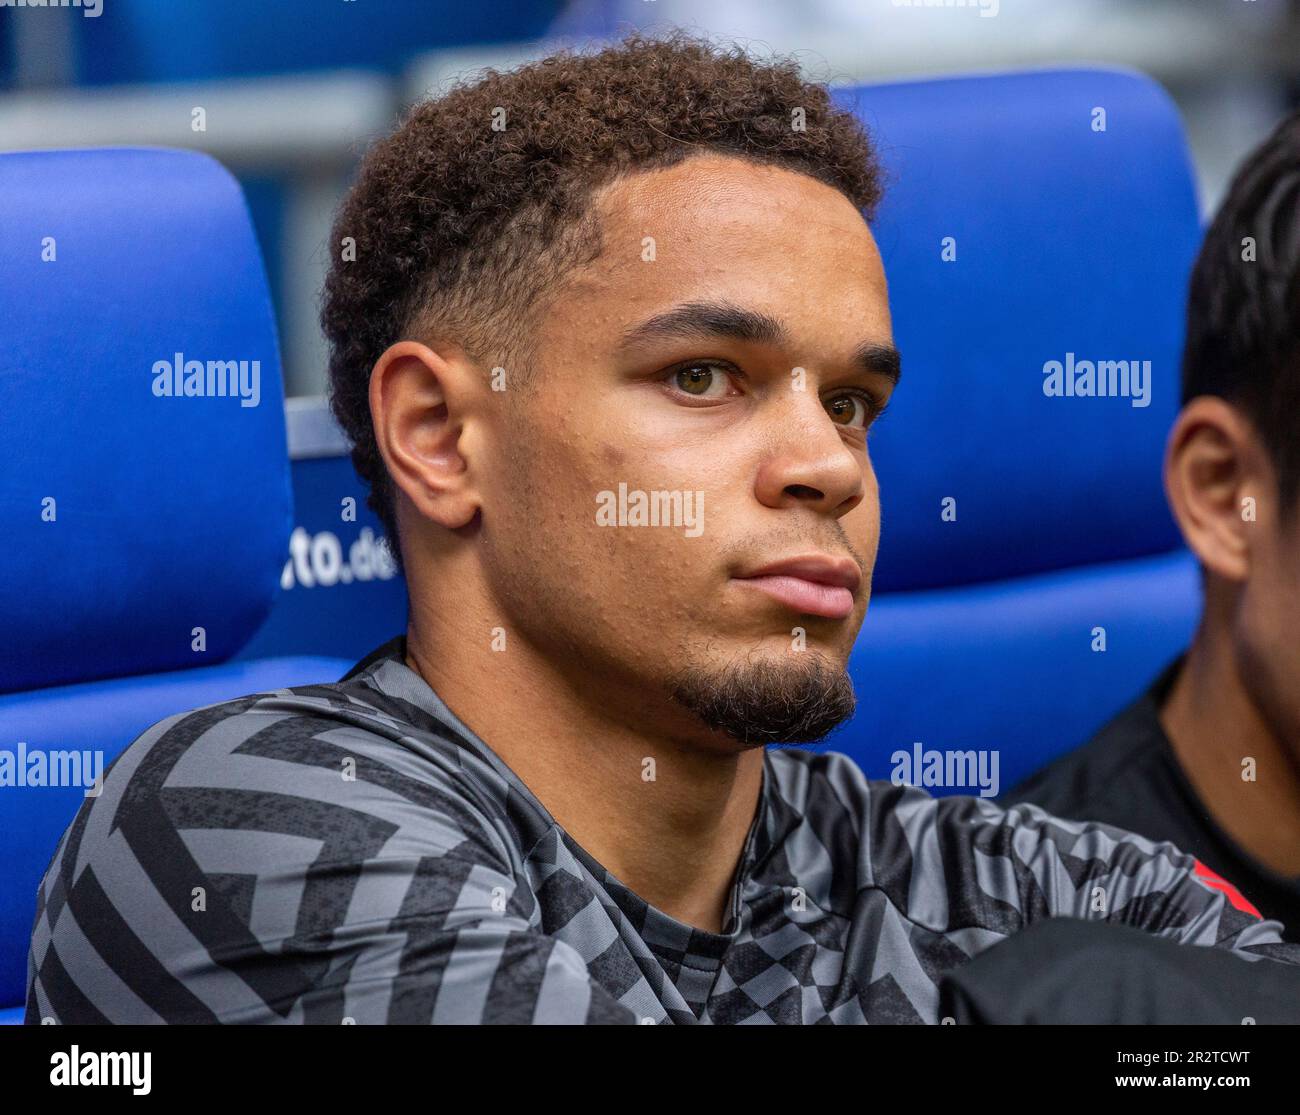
pixel 418 403
pixel 1217 478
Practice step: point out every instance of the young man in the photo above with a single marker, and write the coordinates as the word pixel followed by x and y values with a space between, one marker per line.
pixel 1209 756
pixel 609 347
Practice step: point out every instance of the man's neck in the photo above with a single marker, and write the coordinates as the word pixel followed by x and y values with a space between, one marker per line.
pixel 1213 726
pixel 667 816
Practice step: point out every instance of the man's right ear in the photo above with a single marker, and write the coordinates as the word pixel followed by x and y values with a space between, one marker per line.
pixel 1216 478
pixel 418 403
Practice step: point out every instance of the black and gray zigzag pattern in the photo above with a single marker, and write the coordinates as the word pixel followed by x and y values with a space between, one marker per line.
pixel 354 851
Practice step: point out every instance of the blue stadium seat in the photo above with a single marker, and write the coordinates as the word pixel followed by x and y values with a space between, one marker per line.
pixel 1016 232
pixel 145 533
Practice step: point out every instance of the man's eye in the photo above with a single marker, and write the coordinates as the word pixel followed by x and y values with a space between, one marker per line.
pixel 705 381
pixel 850 410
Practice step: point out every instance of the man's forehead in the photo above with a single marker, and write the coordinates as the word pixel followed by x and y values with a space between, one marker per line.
pixel 722 229
pixel 712 192
pixel 701 221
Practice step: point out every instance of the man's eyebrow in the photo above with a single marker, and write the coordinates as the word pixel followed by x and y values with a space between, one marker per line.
pixel 707 319
pixel 880 360
pixel 724 319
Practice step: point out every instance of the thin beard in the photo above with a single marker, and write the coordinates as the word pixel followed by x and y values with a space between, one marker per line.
pixel 761 703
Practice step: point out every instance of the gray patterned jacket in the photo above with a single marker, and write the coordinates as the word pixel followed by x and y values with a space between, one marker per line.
pixel 227 873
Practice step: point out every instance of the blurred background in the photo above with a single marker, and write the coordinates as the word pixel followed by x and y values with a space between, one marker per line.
pixel 291 92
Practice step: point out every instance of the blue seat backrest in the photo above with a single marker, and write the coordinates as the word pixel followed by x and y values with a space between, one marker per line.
pixel 130 512
pixel 145 531
pixel 1030 220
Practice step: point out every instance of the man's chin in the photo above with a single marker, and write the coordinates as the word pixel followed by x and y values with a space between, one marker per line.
pixel 761 702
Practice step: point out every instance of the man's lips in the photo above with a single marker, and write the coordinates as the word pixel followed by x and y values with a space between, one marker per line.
pixel 816 584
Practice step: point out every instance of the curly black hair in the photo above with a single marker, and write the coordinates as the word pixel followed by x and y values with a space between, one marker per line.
pixel 465 218
pixel 1243 306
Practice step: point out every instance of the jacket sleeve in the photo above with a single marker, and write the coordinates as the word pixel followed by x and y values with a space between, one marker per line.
pixel 1127 879
pixel 1001 870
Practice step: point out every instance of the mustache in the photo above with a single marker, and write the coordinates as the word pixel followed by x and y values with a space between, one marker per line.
pixel 772 544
